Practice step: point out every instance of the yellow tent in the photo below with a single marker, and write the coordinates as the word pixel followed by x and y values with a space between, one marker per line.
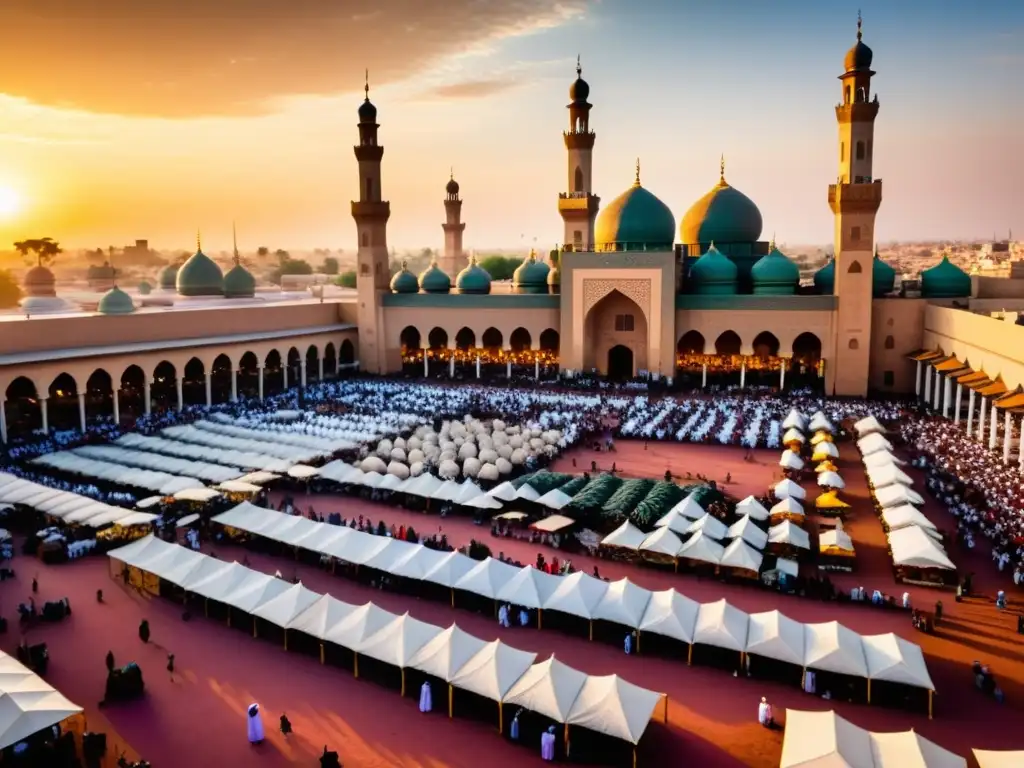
pixel 821 437
pixel 824 455
pixel 830 500
pixel 826 466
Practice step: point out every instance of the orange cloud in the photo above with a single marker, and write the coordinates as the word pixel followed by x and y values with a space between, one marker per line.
pixel 470 89
pixel 188 58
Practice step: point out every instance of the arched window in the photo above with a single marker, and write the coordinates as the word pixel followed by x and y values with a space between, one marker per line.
pixel 369 189
pixel 846 94
pixel 890 342
pixel 365 240
pixel 854 344
pixel 855 268
pixel 860 150
pixel 578 180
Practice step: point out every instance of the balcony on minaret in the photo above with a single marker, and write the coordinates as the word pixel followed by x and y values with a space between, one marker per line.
pixel 371 211
pixel 577 201
pixel 857 111
pixel 862 196
pixel 579 139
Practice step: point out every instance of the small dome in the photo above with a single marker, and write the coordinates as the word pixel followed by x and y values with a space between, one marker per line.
pixel 714 273
pixel 724 215
pixel 116 302
pixel 883 277
pixel 239 283
pixel 367 112
pixel 860 56
pixel 452 187
pixel 404 281
pixel 775 274
pixel 200 276
pixel 945 281
pixel 636 220
pixel 531 276
pixel 145 288
pixel 434 280
pixel 825 278
pixel 168 277
pixel 473 279
pixel 579 91
pixel 39 281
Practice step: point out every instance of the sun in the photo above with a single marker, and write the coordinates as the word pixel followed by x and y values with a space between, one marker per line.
pixel 10 203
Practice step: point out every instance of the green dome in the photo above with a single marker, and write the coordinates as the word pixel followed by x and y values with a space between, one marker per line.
pixel 200 276
pixel 434 280
pixel 714 273
pixel 239 283
pixel 531 276
pixel 145 288
pixel 774 274
pixel 723 214
pixel 825 278
pixel 168 277
pixel 883 277
pixel 636 220
pixel 116 302
pixel 473 279
pixel 404 281
pixel 945 281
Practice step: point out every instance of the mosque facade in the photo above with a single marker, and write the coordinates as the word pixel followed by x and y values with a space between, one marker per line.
pixel 627 294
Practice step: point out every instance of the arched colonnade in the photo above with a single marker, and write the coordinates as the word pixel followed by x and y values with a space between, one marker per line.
pixel 754 359
pixel 482 349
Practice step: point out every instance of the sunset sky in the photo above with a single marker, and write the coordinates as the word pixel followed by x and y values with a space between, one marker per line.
pixel 152 119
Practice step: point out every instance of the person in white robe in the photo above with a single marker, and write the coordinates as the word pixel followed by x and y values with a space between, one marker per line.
pixel 628 644
pixel 426 698
pixel 524 617
pixel 547 744
pixel 255 724
pixel 810 682
pixel 503 616
pixel 514 732
pixel 906 599
pixel 764 713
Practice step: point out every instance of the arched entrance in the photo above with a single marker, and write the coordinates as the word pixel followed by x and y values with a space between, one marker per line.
pixel 620 363
pixel 615 321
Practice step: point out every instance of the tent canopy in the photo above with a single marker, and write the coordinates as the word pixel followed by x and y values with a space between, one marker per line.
pixel 28 704
pixel 578 595
pixel 623 603
pixel 529 587
pixel 831 647
pixel 626 536
pixel 999 759
pixel 611 706
pixel 913 548
pixel 446 653
pixel 549 688
pixel 493 670
pixel 398 641
pixel 776 636
pixel 283 609
pixel 670 614
pixel 721 625
pixel 893 659
pixel 752 508
pixel 326 612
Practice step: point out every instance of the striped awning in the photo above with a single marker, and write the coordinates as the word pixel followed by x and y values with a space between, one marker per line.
pixel 924 355
pixel 1011 401
pixel 996 389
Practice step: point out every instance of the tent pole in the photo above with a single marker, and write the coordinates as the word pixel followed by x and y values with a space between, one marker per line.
pixel 355 664
pixel 453 596
pixel 869 690
pixel 803 679
pixel 322 653
pixel 450 696
pixel 666 709
pixel 229 615
pixel 255 633
pixel 286 639
pixel 403 682
pixel 689 656
pixel 634 757
pixel 501 719
pixel 565 737
pixel 495 606
pixel 638 641
pixel 676 564
pixel 206 607
pixel 930 694
pixel 591 629
pixel 540 618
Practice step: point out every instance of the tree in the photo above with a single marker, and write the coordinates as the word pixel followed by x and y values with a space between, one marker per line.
pixel 10 293
pixel 500 267
pixel 346 279
pixel 329 267
pixel 289 266
pixel 46 250
pixel 282 255
pixel 262 251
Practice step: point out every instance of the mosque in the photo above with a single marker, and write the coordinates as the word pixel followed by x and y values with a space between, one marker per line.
pixel 627 294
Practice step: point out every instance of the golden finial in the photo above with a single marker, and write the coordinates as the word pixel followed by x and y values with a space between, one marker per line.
pixel 405 265
pixel 712 246
pixel 366 86
pixel 636 181
pixel 472 258
pixel 860 23
pixel 579 67
pixel 451 173
pixel 533 254
pixel 721 169
pixel 199 240
pixel 771 245
pixel 234 241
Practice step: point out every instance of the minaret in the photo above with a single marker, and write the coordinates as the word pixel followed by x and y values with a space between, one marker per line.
pixel 578 207
pixel 371 214
pixel 454 259
pixel 854 199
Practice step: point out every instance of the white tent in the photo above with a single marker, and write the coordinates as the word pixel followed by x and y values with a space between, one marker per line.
pixel 493 671
pixel 357 548
pixel 323 614
pixel 794 420
pixel 908 748
pixel 745 529
pixel 867 426
pixel 752 508
pixel 28 704
pixel 237 486
pixel 912 547
pixel 247 517
pixel 905 516
pixel 776 636
pixel 787 507
pixel 689 508
pixel 217 584
pixel 393 552
pixel 710 526
pixel 896 496
pixel 450 569
pixel 484 501
pixel 831 479
pixel 741 555
pixel 487 578
pixel 554 499
pixel 548 688
pixel 446 653
pixel 302 472
pixel 254 591
pixel 675 521
pixel 176 565
pixel 788 533
pixel 529 587
pixel 611 706
pixel 663 542
pixel 623 603
pixel 825 450
pixel 824 740
pixel 873 444
pixel 894 660
pixel 417 563
pixel 721 625
pixel 791 460
pixel 503 492
pixel 626 536
pixel 361 623
pixel 398 641
pixel 302 530
pixel 831 647
pixel 577 594
pixel 793 435
pixel 138 550
pixel 284 608
pixel 467 492
pixel 702 547
pixel 527 492
pixel 787 489
pixel 999 759
pixel 889 474
pixel 447 491
pixel 670 614
pixel 819 423
pixel 881 459
pixel 424 486
pixel 836 537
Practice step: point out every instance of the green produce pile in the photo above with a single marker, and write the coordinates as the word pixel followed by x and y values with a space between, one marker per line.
pixel 662 497
pixel 594 495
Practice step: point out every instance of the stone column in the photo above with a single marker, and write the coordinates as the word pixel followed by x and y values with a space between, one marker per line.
pixel 947 392
pixel 981 420
pixel 994 428
pixel 536 369
pixel 302 373
pixel 426 363
pixel 917 380
pixel 260 369
pixel 117 407
pixel 181 398
pixel 320 368
pixel 928 386
pixel 147 392
pixel 284 373
pixel 451 362
pixel 782 376
pixel 956 403
pixel 3 421
pixel 508 365
pixel 970 411
pixel 234 386
pixel 938 390
pixel 81 410
pixel 704 377
pixel 209 388
pixel 44 412
pixel 478 365
pixel 1007 434
pixel 743 374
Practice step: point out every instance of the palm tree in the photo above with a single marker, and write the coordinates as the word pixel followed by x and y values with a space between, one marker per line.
pixel 46 250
